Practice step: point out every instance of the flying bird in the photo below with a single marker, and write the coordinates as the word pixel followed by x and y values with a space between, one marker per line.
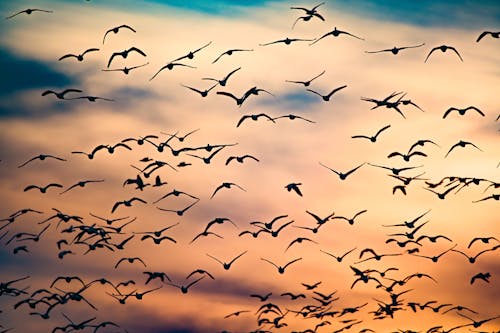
pixel 230 52
pixel 124 54
pixel 226 185
pixel 495 34
pixel 308 82
pixel 444 48
pixel 115 30
pixel 41 157
pixel 395 50
pixel 287 41
pixel 294 187
pixel 78 57
pixel 462 144
pixel 462 111
pixel 60 95
pixel 327 97
pixel 29 11
pixel 191 54
pixel 371 138
pixel 342 175
pixel 335 33
pixel 42 189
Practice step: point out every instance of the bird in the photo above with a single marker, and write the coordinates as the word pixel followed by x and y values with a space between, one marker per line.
pixel 311 12
pixel 281 269
pixel 493 196
pixel 395 50
pixel 222 82
pixel 92 98
pixel 395 171
pixel 124 54
pixel 185 289
pixel 462 111
pixel 241 159
pixel 156 275
pixel 327 97
pixel 29 11
pixel 82 184
pixel 125 70
pixel 225 265
pixel 341 257
pixel 253 117
pixel 495 34
pixel 205 233
pixel 181 211
pixel 311 286
pixel 479 323
pixel 481 276
pixel 203 93
pixel 60 95
pixel 462 144
pixel 352 219
pixel 230 52
pixel 343 176
pixel 473 259
pixel 442 195
pixel 42 189
pixel 158 240
pixel 130 261
pixel 226 185
pixel 41 157
pixel 200 271
pixel 175 193
pixel 484 240
pixel 436 257
pixel 406 157
pixel 236 314
pixel 293 117
pixel 294 187
pixel 287 41
pixel 335 33
pixel 115 30
pixel 443 48
pixel 78 57
pixel 371 138
pixel 169 66
pixel 308 82
pixel 300 240
pixel 126 203
pixel 191 54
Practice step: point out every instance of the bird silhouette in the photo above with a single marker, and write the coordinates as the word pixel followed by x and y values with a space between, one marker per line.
pixel 352 219
pixel 327 97
pixel 287 41
pixel 371 138
pixel 185 289
pixel 190 54
pixel 308 82
pixel 230 52
pixel 29 11
pixel 342 176
pixel 82 184
pixel 41 157
pixel 226 185
pixel 294 187
pixel 293 117
pixel 78 57
pixel 222 82
pixel 342 256
pixel 481 276
pixel 203 93
pixel 495 34
pixel 126 203
pixel 462 144
pixel 395 50
pixel 462 111
pixel 253 117
pixel 484 240
pixel 125 70
pixel 42 189
pixel 170 66
pixel 225 265
pixel 281 269
pixel 443 48
pixel 335 33
pixel 60 95
pixel 116 29
pixel 130 261
pixel 124 54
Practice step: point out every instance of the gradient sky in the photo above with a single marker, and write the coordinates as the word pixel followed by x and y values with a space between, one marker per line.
pixel 288 151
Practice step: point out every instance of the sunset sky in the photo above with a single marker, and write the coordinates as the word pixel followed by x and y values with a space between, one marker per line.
pixel 288 151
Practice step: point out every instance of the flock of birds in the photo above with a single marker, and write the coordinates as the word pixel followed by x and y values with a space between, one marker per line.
pixel 312 303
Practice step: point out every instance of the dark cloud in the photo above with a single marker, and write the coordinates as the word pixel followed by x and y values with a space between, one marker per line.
pixel 21 74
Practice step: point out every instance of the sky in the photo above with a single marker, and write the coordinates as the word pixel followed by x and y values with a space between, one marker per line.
pixel 306 150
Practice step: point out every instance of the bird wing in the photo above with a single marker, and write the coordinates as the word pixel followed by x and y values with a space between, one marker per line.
pixel 67 56
pixel 434 49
